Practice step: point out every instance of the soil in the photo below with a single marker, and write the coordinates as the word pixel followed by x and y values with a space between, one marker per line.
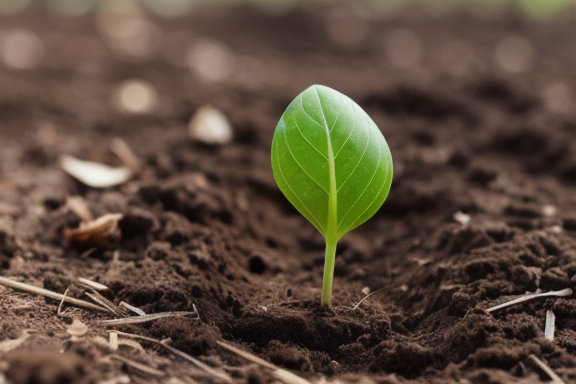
pixel 482 207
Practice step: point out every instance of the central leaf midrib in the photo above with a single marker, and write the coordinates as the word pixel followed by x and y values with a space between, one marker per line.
pixel 331 227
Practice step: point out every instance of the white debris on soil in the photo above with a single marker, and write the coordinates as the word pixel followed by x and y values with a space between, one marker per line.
pixel 549 210
pixel 136 96
pixel 113 341
pixel 95 174
pixel 461 217
pixel 550 325
pixel 210 126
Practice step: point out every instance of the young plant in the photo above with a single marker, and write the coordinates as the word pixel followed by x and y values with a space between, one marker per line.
pixel 333 164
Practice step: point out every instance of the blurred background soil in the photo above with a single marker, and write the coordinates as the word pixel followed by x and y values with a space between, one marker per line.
pixel 476 100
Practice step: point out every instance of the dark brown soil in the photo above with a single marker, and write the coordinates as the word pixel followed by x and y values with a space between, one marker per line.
pixel 206 225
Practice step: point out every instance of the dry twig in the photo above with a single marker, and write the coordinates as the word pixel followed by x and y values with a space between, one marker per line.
pixel 59 312
pixel 282 374
pixel 118 311
pixel 92 284
pixel 197 363
pixel 139 366
pixel 546 369
pixel 367 296
pixel 145 318
pixel 45 292
pixel 523 298
pixel 132 308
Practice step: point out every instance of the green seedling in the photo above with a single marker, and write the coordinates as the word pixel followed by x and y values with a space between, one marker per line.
pixel 333 164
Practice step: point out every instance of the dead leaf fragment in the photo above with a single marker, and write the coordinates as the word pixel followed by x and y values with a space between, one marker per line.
pixel 210 126
pixel 93 174
pixel 97 233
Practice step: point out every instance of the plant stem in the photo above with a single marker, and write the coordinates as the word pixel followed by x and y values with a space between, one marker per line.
pixel 328 272
pixel 332 224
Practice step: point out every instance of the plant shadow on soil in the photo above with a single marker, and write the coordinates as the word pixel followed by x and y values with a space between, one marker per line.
pixel 206 226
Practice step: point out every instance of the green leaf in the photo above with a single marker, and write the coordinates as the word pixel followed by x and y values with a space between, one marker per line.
pixel 331 161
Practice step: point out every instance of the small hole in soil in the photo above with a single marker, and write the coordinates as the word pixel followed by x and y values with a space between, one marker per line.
pixel 271 243
pixel 257 265
pixel 53 203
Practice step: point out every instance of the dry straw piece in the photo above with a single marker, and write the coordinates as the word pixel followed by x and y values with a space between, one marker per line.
pixel 531 296
pixel 45 292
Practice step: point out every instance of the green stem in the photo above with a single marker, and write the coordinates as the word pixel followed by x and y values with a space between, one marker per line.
pixel 328 272
pixel 332 224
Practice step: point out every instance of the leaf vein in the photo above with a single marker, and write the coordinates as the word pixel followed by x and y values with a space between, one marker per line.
pixel 308 141
pixel 337 117
pixel 299 165
pixel 298 197
pixel 350 134
pixel 307 114
pixel 365 189
pixel 361 158
pixel 375 196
